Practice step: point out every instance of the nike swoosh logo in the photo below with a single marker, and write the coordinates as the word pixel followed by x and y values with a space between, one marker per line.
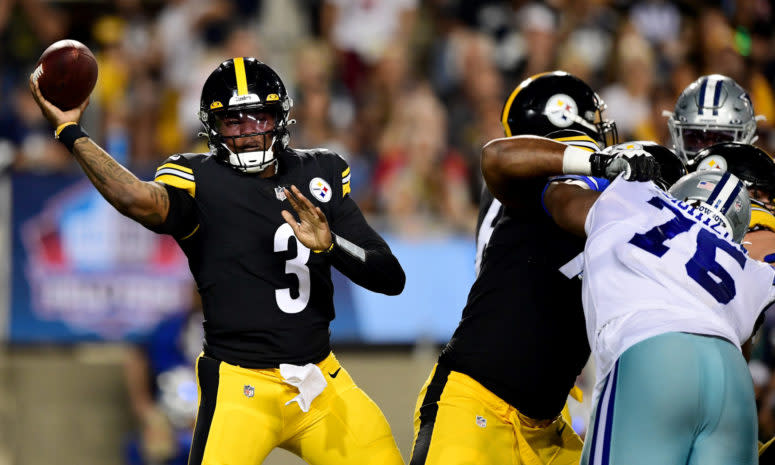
pixel 333 375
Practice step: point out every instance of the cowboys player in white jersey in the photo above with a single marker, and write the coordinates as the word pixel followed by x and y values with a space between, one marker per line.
pixel 669 296
pixel 713 126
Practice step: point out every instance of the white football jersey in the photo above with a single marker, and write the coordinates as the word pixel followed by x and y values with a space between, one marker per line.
pixel 653 264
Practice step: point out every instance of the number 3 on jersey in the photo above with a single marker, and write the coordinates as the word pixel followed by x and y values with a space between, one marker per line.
pixel 702 267
pixel 296 266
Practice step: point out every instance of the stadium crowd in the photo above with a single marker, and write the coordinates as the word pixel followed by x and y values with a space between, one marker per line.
pixel 408 91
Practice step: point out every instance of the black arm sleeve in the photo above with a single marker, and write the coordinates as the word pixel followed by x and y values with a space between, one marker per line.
pixel 181 218
pixel 376 269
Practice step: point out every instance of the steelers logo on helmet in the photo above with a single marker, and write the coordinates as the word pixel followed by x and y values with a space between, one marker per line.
pixel 561 110
pixel 713 162
pixel 320 189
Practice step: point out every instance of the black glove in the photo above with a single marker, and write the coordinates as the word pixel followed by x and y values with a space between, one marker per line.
pixel 636 166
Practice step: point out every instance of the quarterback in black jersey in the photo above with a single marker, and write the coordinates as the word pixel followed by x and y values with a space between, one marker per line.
pixel 261 224
pixel 501 383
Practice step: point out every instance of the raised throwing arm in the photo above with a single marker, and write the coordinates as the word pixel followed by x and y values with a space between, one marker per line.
pixel 145 202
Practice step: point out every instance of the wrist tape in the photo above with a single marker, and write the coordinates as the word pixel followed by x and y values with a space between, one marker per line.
pixel 576 161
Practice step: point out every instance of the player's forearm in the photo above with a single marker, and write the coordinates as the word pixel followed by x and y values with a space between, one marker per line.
pixel 507 161
pixel 144 202
pixel 373 267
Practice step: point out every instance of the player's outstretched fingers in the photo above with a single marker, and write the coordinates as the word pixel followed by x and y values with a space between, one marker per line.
pixel 308 205
pixel 288 217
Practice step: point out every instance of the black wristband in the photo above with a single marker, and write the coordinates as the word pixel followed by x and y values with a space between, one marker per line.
pixel 70 134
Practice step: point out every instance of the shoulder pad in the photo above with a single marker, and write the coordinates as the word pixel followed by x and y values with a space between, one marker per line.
pixel 761 218
pixel 312 152
pixel 575 138
pixel 177 171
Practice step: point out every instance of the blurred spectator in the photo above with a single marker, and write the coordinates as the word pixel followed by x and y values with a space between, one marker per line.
pixel 629 97
pixel 590 27
pixel 421 182
pixel 539 25
pixel 361 31
pixel 28 136
pixel 161 383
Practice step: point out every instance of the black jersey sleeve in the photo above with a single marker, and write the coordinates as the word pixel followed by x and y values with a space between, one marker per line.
pixel 359 252
pixel 177 176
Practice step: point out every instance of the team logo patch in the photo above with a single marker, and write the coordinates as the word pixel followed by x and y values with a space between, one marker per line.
pixel 713 162
pixel 481 421
pixel 279 192
pixel 560 110
pixel 249 390
pixel 320 189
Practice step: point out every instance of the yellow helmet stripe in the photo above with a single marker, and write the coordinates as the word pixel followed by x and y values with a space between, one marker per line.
pixel 239 71
pixel 510 100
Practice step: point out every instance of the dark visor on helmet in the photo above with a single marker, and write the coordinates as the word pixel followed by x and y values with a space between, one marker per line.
pixel 245 121
pixel 697 139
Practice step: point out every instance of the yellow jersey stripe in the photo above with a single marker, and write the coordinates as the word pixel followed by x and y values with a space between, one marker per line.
pixel 190 234
pixel 346 172
pixel 579 138
pixel 177 167
pixel 239 71
pixel 346 188
pixel 180 183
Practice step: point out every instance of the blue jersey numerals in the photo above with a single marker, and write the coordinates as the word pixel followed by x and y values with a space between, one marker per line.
pixel 702 267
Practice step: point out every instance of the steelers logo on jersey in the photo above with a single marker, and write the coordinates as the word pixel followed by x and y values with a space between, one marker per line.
pixel 320 189
pixel 561 110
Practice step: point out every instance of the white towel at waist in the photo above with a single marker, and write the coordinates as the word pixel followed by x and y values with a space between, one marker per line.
pixel 308 379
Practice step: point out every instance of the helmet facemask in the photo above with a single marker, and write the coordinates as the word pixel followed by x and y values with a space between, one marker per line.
pixel 245 136
pixel 689 139
pixel 609 135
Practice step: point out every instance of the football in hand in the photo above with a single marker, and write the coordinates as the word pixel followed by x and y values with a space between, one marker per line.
pixel 66 73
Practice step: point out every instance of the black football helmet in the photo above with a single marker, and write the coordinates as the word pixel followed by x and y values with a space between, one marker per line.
pixel 671 167
pixel 547 102
pixel 241 88
pixel 752 165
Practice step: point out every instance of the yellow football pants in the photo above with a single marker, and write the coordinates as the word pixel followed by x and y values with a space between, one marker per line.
pixel 242 416
pixel 457 421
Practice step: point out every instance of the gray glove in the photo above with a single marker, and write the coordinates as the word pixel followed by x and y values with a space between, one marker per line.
pixel 636 165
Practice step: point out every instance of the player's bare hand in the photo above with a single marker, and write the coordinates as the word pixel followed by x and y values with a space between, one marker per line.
pixel 312 229
pixel 54 115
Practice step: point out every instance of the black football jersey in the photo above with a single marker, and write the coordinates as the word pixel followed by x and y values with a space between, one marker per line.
pixel 522 334
pixel 268 299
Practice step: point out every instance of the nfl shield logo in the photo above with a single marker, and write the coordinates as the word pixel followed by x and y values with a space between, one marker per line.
pixel 481 421
pixel 248 390
pixel 278 192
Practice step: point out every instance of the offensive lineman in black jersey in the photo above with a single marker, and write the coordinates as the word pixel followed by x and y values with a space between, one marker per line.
pixel 267 377
pixel 499 387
